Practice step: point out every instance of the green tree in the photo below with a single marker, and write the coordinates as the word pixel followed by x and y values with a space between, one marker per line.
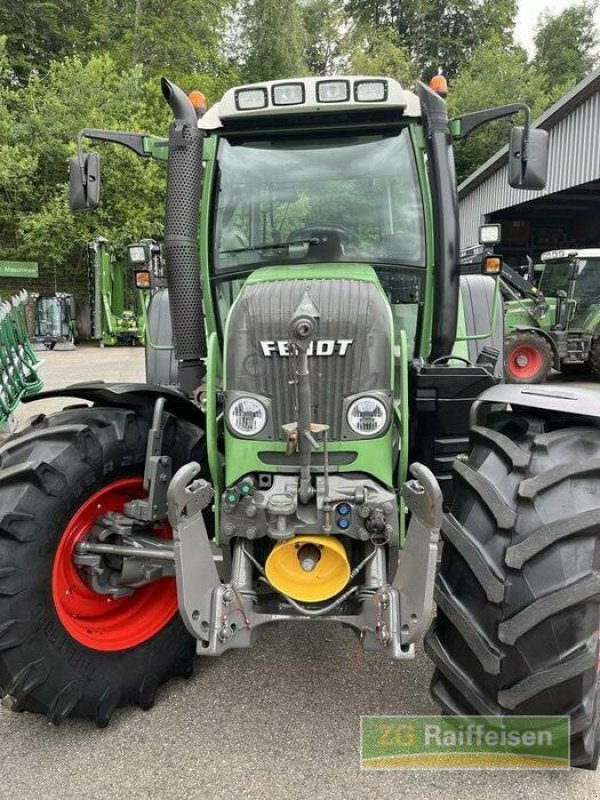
pixel 324 24
pixel 274 37
pixel 438 33
pixel 566 43
pixel 379 52
pixel 38 31
pixel 179 37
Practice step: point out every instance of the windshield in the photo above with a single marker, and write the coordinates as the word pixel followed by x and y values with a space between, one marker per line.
pixel 587 287
pixel 351 198
pixel 555 278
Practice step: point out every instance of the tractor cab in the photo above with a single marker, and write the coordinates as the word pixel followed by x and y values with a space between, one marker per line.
pixel 573 278
pixel 316 175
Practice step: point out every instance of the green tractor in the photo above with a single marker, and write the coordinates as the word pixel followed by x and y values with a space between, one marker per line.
pixel 557 325
pixel 331 364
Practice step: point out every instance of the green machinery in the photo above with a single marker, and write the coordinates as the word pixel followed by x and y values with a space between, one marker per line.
pixel 557 324
pixel 18 363
pixel 293 456
pixel 54 321
pixel 117 308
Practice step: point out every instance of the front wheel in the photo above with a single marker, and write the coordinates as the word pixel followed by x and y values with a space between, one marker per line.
pixel 65 650
pixel 528 358
pixel 518 592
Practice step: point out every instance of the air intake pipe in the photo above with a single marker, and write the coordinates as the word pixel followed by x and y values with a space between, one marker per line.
pixel 180 247
pixel 442 177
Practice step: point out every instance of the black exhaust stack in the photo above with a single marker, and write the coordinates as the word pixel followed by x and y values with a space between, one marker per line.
pixel 184 185
pixel 445 212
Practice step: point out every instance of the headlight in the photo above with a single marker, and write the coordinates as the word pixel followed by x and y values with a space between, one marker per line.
pixel 367 416
pixel 333 91
pixel 288 94
pixel 247 416
pixel 370 91
pixel 250 99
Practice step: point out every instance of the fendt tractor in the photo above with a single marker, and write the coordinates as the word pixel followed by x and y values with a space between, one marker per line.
pixel 557 324
pixel 331 365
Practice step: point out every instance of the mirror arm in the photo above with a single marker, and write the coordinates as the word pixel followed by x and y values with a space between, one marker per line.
pixel 466 124
pixel 133 141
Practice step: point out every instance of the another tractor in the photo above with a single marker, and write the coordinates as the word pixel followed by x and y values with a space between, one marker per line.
pixel 558 326
pixel 117 307
pixel 324 342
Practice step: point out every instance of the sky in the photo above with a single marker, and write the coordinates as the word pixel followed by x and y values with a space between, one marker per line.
pixel 530 10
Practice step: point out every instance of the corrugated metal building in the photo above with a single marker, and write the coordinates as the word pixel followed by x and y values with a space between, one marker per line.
pixel 567 211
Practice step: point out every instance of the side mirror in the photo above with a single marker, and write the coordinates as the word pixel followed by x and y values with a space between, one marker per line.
pixel 84 180
pixel 528 158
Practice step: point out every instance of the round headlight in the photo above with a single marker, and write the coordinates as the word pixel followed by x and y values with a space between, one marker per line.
pixel 367 416
pixel 247 416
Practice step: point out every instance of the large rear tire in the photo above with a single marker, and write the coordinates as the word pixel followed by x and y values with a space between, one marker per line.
pixel 65 650
pixel 518 591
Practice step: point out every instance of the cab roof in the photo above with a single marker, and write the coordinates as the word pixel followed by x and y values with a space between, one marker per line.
pixel 309 96
pixel 569 253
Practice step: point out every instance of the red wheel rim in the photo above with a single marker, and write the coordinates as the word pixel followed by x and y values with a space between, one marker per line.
pixel 95 620
pixel 525 361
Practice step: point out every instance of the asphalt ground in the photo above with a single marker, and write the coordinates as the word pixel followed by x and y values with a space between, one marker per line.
pixel 278 722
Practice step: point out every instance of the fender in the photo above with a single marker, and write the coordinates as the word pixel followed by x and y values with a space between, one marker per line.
pixel 138 396
pixel 579 401
pixel 545 335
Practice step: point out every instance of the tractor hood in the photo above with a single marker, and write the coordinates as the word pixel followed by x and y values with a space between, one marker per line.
pixel 351 354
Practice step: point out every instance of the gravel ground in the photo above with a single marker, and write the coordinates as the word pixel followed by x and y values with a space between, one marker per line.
pixel 278 721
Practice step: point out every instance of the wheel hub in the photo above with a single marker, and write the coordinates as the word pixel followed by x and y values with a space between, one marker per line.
pixel 102 621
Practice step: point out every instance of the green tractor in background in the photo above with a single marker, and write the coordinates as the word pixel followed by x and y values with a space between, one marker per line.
pixel 330 364
pixel 117 308
pixel 557 324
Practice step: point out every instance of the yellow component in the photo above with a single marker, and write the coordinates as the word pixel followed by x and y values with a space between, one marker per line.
pixel 308 568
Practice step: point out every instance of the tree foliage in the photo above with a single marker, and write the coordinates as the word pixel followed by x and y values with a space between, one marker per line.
pixel 567 43
pixel 438 33
pixel 325 25
pixel 274 37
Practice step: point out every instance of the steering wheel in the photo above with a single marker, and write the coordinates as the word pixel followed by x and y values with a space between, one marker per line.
pixel 329 242
pixel 319 232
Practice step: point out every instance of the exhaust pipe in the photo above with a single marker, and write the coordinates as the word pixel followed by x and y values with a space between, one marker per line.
pixel 184 185
pixel 445 213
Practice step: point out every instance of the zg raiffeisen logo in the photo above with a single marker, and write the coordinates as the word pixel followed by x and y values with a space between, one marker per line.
pixel 464 743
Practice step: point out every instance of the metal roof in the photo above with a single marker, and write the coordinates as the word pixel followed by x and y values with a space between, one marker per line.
pixel 573 123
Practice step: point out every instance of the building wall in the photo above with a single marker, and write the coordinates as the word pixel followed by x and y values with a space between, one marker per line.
pixel 574 158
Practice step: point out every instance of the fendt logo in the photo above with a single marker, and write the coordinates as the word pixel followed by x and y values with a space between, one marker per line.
pixel 323 347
